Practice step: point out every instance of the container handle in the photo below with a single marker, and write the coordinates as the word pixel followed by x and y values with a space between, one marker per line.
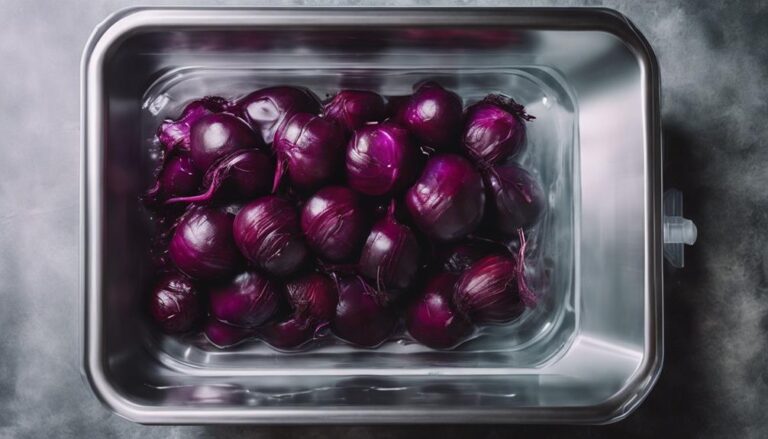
pixel 678 230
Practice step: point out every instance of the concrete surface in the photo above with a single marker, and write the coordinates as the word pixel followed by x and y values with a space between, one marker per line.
pixel 714 61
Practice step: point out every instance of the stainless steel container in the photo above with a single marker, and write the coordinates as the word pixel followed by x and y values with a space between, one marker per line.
pixel 589 354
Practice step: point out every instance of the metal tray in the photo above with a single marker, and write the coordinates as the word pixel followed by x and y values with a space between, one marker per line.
pixel 589 354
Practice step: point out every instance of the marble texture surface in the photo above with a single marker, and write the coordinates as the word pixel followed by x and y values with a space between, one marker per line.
pixel 714 62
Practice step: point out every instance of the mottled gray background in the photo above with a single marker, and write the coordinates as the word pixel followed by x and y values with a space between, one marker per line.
pixel 714 65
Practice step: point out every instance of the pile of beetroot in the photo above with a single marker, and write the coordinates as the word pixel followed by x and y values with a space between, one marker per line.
pixel 285 219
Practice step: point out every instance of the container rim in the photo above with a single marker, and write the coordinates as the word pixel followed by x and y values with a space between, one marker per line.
pixel 125 22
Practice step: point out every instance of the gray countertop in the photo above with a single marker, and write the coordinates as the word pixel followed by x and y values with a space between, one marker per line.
pixel 714 65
